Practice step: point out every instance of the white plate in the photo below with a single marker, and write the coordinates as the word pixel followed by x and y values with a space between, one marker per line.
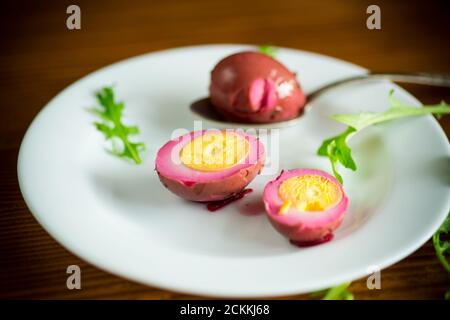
pixel 118 217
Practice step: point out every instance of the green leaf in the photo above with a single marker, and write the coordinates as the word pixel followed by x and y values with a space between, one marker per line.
pixel 339 292
pixel 445 227
pixel 132 130
pixel 440 246
pixel 319 294
pixel 110 112
pixel 337 149
pixel 268 50
pixel 397 110
pixel 342 150
pixel 333 162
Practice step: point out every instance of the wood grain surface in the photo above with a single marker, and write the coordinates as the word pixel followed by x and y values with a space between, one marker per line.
pixel 39 57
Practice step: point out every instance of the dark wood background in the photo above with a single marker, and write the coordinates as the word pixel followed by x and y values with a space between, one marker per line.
pixel 39 57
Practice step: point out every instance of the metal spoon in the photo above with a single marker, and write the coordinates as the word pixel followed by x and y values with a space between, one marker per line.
pixel 203 108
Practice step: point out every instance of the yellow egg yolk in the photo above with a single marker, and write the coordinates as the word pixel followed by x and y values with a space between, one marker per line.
pixel 308 193
pixel 214 151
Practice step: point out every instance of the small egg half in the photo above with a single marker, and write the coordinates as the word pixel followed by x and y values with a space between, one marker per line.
pixel 209 165
pixel 305 205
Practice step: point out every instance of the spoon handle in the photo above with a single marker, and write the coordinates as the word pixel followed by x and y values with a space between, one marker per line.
pixel 431 79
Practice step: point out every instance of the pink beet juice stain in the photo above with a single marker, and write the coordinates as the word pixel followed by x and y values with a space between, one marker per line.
pixel 327 238
pixel 188 183
pixel 216 205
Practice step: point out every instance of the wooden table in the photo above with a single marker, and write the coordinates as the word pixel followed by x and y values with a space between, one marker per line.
pixel 39 56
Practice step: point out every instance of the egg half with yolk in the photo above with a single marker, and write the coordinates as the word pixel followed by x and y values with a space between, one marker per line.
pixel 305 205
pixel 209 165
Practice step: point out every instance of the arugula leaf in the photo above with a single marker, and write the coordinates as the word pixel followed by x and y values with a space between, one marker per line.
pixel 442 247
pixel 337 149
pixel 397 110
pixel 110 112
pixel 268 50
pixel 339 292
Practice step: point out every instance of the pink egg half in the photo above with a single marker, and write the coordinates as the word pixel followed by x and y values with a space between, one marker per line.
pixel 206 186
pixel 251 87
pixel 303 227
